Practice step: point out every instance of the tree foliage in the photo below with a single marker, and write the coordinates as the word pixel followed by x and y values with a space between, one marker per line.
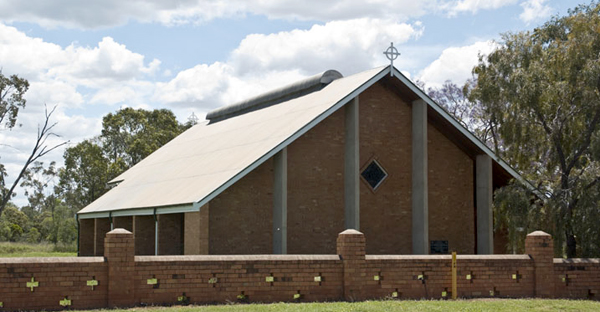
pixel 86 172
pixel 12 90
pixel 129 135
pixel 543 90
pixel 13 224
pixel 471 114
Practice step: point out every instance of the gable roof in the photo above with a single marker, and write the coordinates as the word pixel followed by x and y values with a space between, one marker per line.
pixel 202 162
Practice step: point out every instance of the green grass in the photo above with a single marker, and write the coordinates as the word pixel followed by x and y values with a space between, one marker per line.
pixel 12 250
pixel 509 305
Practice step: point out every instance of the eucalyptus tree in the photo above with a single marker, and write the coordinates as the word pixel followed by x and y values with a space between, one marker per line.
pixel 543 89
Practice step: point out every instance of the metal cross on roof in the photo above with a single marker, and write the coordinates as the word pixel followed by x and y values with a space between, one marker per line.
pixel 391 53
pixel 193 119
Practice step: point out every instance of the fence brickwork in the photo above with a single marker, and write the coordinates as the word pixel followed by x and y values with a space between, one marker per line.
pixel 122 279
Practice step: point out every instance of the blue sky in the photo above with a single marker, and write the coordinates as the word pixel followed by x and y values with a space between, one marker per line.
pixel 90 58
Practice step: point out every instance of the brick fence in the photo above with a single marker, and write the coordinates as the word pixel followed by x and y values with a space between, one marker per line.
pixel 122 279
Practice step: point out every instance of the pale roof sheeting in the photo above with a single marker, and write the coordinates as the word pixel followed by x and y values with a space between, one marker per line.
pixel 198 164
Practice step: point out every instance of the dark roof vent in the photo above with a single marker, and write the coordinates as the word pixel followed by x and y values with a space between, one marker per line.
pixel 295 90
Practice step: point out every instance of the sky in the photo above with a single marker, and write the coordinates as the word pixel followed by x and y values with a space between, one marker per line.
pixel 90 58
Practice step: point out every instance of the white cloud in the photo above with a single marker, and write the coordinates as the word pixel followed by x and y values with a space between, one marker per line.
pixel 341 9
pixel 454 7
pixel 264 62
pixel 348 46
pixel 201 86
pixel 92 13
pixel 30 57
pixel 455 64
pixel 109 60
pixel 107 13
pixel 535 10
pixel 35 59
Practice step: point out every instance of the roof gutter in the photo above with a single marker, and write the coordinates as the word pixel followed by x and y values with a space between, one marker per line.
pixel 192 207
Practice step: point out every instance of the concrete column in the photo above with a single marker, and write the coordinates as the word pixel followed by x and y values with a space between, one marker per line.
pixel 86 237
pixel 420 205
pixel 352 167
pixel 280 202
pixel 101 227
pixel 143 232
pixel 485 217
pixel 170 234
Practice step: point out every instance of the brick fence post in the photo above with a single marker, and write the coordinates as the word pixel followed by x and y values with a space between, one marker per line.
pixel 119 251
pixel 351 248
pixel 540 247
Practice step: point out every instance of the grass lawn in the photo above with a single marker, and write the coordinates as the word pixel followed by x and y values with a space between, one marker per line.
pixel 510 305
pixel 13 250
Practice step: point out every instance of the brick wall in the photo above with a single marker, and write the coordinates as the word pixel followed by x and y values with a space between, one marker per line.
pixel 56 278
pixel 170 234
pixel 241 217
pixel 123 279
pixel 223 278
pixel 125 222
pixel 101 227
pixel 386 213
pixel 577 278
pixel 450 189
pixel 385 135
pixel 316 188
pixel 196 232
pixel 144 234
pixel 86 237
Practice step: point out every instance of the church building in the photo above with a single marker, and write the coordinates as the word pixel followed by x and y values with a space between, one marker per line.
pixel 285 172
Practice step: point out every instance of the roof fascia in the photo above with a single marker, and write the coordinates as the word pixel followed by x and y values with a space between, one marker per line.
pixel 140 212
pixel 384 71
pixel 461 128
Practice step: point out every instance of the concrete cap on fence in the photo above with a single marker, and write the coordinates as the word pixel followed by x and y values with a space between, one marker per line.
pixel 538 233
pixel 119 231
pixel 351 232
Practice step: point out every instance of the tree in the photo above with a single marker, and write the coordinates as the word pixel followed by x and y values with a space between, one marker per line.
pixel 12 90
pixel 84 177
pixel 471 114
pixel 130 134
pixel 37 181
pixel 39 150
pixel 543 88
pixel 13 224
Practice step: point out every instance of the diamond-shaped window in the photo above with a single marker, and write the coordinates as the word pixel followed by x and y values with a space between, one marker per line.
pixel 374 174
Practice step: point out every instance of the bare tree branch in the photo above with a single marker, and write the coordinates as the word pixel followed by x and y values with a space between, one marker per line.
pixel 39 150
